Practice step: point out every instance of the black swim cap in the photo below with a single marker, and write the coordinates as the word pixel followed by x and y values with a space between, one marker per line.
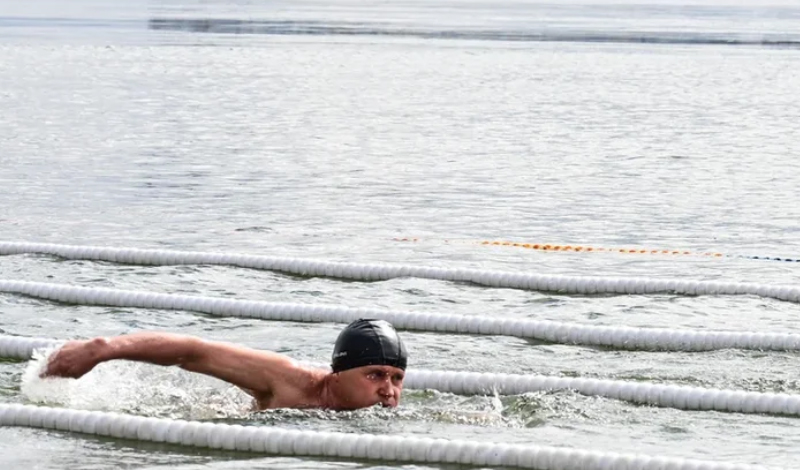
pixel 366 343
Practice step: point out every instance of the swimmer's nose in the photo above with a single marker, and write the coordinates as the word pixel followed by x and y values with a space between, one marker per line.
pixel 389 401
pixel 388 397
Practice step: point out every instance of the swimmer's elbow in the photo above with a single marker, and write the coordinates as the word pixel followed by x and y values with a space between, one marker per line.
pixel 194 356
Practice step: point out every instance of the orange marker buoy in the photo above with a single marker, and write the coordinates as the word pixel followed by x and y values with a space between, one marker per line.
pixel 581 248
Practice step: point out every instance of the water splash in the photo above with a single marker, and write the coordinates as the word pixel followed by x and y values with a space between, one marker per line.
pixel 418 408
pixel 148 390
pixel 138 388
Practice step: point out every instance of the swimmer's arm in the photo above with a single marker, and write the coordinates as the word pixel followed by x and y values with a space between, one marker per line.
pixel 251 369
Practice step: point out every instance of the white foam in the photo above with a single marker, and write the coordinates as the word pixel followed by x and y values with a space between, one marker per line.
pixel 143 389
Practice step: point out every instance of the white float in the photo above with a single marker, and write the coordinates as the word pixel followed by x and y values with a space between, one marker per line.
pixel 381 272
pixel 662 339
pixel 270 440
pixel 475 383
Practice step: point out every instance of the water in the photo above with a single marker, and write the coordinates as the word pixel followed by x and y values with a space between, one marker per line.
pixel 328 129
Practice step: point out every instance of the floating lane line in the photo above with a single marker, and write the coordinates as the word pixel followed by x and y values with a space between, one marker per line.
pixel 382 272
pixel 277 441
pixel 479 383
pixel 580 248
pixel 652 339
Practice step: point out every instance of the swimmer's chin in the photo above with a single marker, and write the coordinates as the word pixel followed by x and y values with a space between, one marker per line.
pixel 374 405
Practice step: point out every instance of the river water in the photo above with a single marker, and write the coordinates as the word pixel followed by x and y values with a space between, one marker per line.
pixel 329 130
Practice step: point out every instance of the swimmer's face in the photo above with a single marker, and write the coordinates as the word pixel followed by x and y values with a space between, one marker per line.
pixel 366 386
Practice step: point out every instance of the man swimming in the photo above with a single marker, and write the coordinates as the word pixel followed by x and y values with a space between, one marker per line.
pixel 369 362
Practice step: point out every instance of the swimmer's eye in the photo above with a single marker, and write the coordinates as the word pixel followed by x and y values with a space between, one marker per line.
pixel 381 375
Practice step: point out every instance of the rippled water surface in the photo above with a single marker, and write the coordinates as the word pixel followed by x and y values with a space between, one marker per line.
pixel 330 130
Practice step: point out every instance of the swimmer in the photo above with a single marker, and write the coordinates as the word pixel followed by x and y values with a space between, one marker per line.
pixel 368 366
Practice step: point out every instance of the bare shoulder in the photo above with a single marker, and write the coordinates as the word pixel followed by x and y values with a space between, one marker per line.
pixel 297 386
pixel 295 375
pixel 259 371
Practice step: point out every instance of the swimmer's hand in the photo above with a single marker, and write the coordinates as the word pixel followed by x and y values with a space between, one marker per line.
pixel 76 358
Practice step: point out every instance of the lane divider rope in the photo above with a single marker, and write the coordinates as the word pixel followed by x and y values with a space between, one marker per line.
pixel 382 272
pixel 600 249
pixel 480 383
pixel 277 441
pixel 661 339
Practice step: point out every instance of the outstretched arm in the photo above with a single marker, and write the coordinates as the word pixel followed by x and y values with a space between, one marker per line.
pixel 254 370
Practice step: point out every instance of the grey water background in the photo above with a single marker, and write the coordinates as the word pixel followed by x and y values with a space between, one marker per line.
pixel 328 129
